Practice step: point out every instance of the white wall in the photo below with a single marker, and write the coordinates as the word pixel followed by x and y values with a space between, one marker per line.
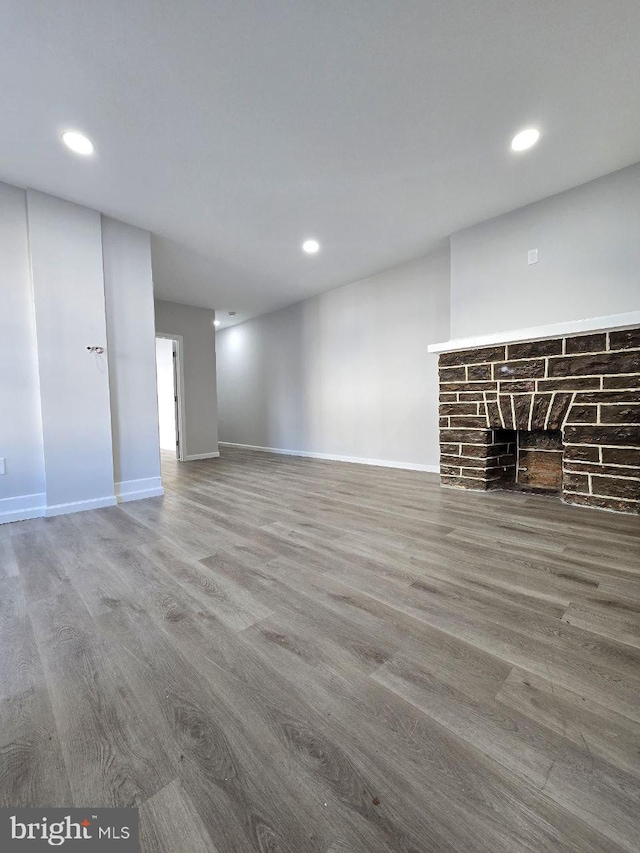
pixel 346 373
pixel 22 487
pixel 57 401
pixel 589 260
pixel 166 393
pixel 199 367
pixel 131 352
pixel 66 262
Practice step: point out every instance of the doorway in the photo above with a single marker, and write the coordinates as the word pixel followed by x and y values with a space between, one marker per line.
pixel 169 379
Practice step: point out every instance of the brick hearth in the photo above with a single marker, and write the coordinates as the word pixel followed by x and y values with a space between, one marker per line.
pixel 586 386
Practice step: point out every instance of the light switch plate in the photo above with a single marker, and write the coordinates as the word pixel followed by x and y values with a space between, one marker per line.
pixel 532 256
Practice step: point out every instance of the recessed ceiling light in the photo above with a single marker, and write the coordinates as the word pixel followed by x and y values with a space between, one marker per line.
pixel 525 139
pixel 310 247
pixel 216 322
pixel 77 142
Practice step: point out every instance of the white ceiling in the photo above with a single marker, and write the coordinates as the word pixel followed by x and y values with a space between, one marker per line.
pixel 234 129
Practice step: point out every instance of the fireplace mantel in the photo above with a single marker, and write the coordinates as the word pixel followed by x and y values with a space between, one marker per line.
pixel 541 333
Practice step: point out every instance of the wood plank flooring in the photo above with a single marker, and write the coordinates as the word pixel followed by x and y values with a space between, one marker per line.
pixel 293 655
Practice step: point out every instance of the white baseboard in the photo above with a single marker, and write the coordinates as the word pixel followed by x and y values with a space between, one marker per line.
pixel 22 508
pixel 35 506
pixel 79 506
pixel 136 490
pixel 332 457
pixel 194 456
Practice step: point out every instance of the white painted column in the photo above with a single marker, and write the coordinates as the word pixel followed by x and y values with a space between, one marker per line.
pixel 128 286
pixel 68 285
pixel 22 469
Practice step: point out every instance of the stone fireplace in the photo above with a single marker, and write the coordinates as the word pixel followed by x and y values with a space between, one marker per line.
pixel 553 415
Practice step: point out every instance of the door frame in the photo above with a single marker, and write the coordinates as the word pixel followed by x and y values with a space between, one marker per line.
pixel 181 451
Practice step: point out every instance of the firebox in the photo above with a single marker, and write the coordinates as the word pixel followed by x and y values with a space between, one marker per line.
pixel 535 461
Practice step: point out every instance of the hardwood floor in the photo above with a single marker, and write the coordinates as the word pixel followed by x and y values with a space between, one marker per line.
pixel 286 654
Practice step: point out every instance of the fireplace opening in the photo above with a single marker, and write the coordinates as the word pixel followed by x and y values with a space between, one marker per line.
pixel 536 461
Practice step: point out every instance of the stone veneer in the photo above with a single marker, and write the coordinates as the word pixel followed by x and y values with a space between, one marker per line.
pixel 587 386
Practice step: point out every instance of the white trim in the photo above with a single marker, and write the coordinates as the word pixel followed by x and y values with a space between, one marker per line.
pixel 332 457
pixel 22 507
pixel 135 490
pixel 79 506
pixel 193 456
pixel 538 333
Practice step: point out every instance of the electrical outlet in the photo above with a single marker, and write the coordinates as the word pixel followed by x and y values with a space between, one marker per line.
pixel 3 466
pixel 532 256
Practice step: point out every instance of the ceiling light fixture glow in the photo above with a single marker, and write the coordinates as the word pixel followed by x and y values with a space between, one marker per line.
pixel 525 139
pixel 310 247
pixel 216 322
pixel 77 142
